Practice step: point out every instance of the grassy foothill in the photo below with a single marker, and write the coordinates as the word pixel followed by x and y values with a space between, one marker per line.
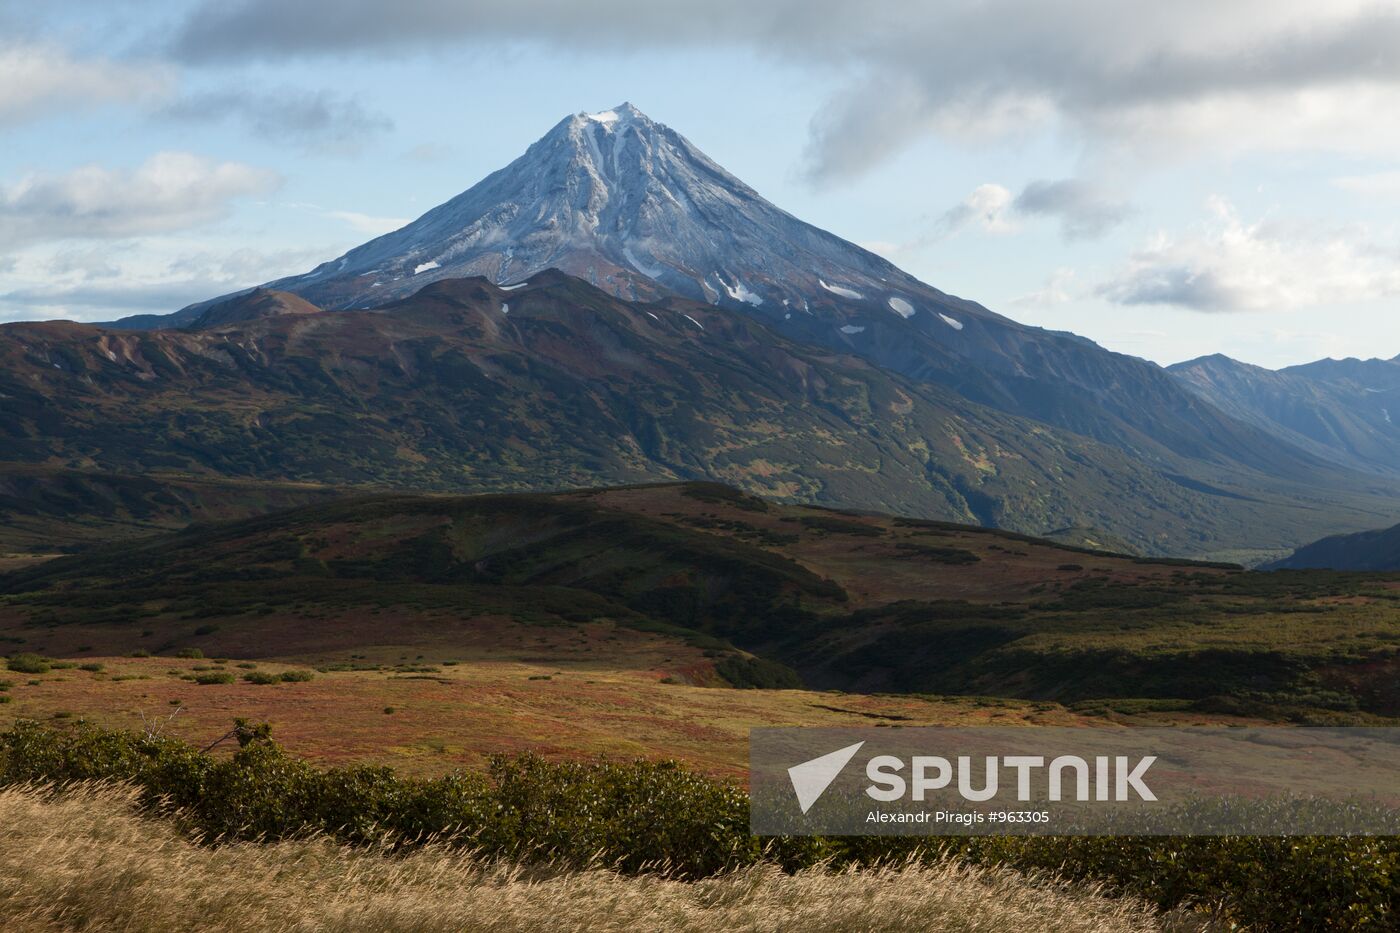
pixel 648 821
pixel 142 875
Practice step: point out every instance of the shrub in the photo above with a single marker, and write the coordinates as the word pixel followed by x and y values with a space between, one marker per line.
pixel 638 815
pixel 29 663
pixel 189 653
pixel 213 677
pixel 262 677
pixel 757 673
pixel 94 667
pixel 297 676
pixel 140 653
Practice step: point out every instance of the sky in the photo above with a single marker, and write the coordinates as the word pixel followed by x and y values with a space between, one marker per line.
pixel 1169 180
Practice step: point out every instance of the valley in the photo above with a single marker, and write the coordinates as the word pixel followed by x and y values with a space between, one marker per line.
pixel 487 623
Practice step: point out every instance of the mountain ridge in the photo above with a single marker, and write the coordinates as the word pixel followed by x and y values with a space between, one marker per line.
pixel 468 386
pixel 1342 410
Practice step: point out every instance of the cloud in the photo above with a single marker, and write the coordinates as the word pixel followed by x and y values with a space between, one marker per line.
pixel 986 207
pixel 77 302
pixel 320 121
pixel 1156 78
pixel 1229 265
pixel 428 152
pixel 1084 212
pixel 1058 290
pixel 246 266
pixel 40 79
pixel 1082 209
pixel 1377 184
pixel 364 223
pixel 169 191
pixel 360 223
pixel 60 286
pixel 85 264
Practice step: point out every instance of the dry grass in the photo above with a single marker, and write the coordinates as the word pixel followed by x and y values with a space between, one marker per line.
pixel 456 717
pixel 85 861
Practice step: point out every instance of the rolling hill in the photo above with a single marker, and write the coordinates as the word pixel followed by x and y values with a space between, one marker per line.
pixel 1364 550
pixel 46 510
pixel 846 600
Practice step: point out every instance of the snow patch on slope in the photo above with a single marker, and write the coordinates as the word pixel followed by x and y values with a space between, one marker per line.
pixel 425 267
pixel 693 321
pixel 841 290
pixel 951 321
pixel 740 292
pixel 901 307
pixel 851 329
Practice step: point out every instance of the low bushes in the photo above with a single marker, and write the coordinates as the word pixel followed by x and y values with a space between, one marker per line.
pixel 642 815
pixel 29 663
pixel 286 677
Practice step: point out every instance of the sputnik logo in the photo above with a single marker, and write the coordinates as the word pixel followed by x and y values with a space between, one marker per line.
pixel 811 778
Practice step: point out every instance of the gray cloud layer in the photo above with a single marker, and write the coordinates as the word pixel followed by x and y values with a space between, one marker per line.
pixel 321 121
pixel 959 68
pixel 1083 211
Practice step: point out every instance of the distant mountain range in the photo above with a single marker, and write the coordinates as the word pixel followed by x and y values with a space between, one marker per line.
pixel 700 331
pixel 1343 410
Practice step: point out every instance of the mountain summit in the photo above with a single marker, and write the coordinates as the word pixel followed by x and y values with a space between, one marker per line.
pixel 627 204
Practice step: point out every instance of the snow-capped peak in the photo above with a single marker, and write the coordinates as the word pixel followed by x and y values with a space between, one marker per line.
pixel 622 113
pixel 627 204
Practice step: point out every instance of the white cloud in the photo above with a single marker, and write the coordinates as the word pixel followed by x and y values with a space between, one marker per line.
pixel 364 223
pixel 1083 210
pixel 39 79
pixel 986 207
pixel 1377 184
pixel 169 191
pixel 1059 289
pixel 75 284
pixel 1227 264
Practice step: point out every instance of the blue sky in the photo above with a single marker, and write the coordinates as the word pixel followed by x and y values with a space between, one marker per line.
pixel 1168 180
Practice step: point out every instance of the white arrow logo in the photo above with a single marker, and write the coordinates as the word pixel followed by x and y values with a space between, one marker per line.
pixel 811 778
